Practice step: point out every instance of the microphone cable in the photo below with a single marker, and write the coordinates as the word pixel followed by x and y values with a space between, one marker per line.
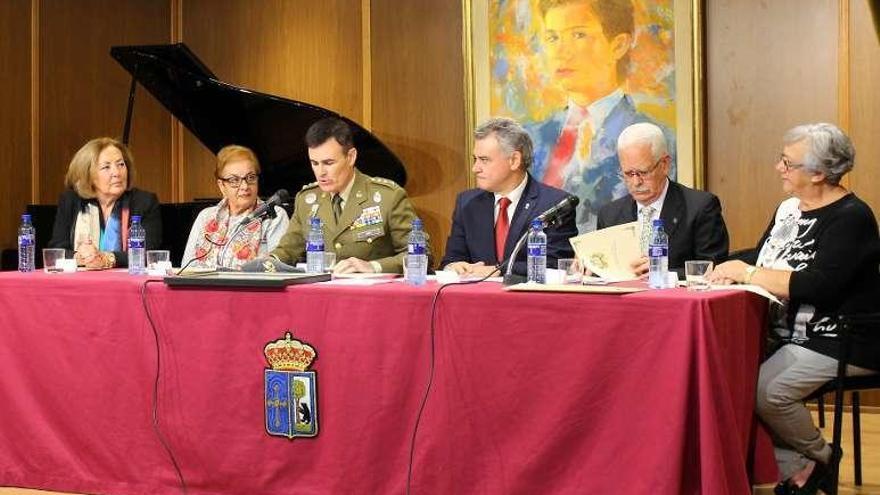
pixel 241 225
pixel 431 368
pixel 229 239
pixel 155 399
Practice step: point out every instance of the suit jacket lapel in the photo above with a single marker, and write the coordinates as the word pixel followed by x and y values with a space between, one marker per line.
pixel 629 213
pixel 673 209
pixel 352 208
pixel 522 216
pixel 484 218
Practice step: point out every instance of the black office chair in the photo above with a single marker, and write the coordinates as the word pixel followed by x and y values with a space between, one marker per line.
pixel 853 329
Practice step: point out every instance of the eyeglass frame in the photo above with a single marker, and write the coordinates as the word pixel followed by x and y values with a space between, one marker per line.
pixel 787 166
pixel 235 181
pixel 641 174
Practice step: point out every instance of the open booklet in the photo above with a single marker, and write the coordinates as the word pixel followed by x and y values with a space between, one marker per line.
pixel 754 289
pixel 608 252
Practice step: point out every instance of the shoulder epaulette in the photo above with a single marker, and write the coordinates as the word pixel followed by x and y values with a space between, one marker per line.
pixel 385 182
pixel 310 185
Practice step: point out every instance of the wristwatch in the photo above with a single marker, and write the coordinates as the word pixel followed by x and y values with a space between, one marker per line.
pixel 750 271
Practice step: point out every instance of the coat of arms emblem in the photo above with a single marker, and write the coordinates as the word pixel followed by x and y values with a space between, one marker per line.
pixel 290 389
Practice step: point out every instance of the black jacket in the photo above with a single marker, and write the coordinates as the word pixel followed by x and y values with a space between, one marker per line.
pixel 691 218
pixel 472 237
pixel 138 202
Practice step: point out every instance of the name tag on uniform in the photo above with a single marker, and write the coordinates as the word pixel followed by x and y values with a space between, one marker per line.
pixel 369 234
pixel 369 216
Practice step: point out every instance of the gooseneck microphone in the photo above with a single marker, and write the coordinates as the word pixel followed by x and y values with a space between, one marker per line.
pixel 558 212
pixel 549 217
pixel 280 197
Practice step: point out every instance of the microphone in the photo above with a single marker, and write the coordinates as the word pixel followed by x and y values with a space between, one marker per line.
pixel 548 218
pixel 269 265
pixel 553 214
pixel 268 208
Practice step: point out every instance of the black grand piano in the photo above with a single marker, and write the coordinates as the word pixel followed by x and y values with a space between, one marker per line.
pixel 218 114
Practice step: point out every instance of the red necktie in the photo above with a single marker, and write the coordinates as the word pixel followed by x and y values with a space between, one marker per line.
pixel 564 149
pixel 502 225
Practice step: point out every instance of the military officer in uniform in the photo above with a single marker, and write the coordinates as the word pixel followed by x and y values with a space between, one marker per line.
pixel 366 220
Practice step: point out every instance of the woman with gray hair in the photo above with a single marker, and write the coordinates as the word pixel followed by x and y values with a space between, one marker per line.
pixel 819 255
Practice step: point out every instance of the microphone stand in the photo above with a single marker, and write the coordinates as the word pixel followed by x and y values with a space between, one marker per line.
pixel 237 230
pixel 511 278
pixel 270 213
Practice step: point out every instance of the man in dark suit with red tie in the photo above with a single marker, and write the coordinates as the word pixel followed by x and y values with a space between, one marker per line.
pixel 488 221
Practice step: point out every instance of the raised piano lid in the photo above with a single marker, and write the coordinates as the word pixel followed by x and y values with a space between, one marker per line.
pixel 219 114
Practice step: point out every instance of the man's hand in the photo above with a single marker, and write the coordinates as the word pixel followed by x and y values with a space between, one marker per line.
pixel 353 265
pixel 463 268
pixel 639 266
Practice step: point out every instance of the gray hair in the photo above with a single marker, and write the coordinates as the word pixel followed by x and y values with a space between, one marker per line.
pixel 829 150
pixel 510 135
pixel 644 133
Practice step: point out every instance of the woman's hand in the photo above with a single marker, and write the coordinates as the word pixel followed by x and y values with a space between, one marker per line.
pixel 86 254
pixel 729 272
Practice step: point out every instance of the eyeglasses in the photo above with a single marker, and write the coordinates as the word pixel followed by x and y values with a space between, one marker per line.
pixel 787 166
pixel 235 181
pixel 641 174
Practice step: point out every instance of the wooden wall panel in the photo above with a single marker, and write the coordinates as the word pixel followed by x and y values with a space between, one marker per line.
pixel 15 117
pixel 418 102
pixel 769 66
pixel 304 50
pixel 84 92
pixel 864 103
pixel 864 47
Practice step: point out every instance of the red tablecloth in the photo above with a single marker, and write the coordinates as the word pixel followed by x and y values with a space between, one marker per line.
pixel 532 393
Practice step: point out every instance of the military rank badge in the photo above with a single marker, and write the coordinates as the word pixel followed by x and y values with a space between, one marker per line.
pixel 291 391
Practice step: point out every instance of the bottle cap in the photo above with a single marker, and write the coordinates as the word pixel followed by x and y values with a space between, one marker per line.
pixel 417 222
pixel 315 221
pixel 135 218
pixel 537 223
pixel 658 222
pixel 26 217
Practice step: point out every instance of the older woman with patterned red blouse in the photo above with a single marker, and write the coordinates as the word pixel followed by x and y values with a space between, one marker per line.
pixel 218 238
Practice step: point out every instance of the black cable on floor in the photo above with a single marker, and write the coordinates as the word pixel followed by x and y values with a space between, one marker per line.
pixel 155 400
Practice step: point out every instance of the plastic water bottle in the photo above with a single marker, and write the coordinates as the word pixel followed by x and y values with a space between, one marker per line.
pixel 137 245
pixel 27 239
pixel 416 255
pixel 537 253
pixel 315 247
pixel 658 256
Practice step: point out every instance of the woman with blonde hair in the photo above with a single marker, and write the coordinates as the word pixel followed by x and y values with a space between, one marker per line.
pixel 218 237
pixel 95 210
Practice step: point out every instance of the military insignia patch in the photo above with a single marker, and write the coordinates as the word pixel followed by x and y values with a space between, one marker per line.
pixel 291 396
pixel 311 198
pixel 371 215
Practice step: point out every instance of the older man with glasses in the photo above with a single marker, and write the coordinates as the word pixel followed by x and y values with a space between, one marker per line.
pixel 691 218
